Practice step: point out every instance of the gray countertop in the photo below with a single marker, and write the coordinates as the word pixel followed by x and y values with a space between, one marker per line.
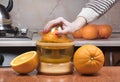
pixel 113 40
pixel 6 42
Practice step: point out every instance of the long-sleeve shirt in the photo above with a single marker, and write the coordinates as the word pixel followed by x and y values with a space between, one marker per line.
pixel 96 8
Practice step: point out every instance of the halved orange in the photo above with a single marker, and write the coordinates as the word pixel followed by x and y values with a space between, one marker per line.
pixel 25 63
pixel 51 37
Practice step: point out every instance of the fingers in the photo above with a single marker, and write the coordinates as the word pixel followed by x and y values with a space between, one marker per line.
pixel 51 24
pixel 65 30
pixel 57 22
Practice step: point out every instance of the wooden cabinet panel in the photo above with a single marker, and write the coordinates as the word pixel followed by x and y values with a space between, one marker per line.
pixel 107 59
pixel 112 58
pixel 116 58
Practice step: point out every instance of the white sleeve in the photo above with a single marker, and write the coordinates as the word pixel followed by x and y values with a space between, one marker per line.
pixel 89 14
pixel 95 9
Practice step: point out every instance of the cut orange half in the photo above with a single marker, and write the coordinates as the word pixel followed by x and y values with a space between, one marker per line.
pixel 25 63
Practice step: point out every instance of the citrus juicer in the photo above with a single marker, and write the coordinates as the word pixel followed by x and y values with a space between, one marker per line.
pixel 55 57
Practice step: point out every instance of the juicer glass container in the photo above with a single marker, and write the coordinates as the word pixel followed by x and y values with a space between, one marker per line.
pixel 55 58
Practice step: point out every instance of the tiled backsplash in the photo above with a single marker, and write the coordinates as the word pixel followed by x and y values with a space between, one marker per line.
pixel 34 14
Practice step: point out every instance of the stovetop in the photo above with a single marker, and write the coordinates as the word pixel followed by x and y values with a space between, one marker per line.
pixel 14 36
pixel 19 34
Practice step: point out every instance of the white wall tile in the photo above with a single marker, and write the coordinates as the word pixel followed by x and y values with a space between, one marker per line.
pixel 34 14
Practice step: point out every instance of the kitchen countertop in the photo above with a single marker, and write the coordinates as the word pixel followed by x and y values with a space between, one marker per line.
pixel 113 40
pixel 20 42
pixel 106 74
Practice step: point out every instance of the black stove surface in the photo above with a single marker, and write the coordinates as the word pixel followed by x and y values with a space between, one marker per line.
pixel 14 36
pixel 15 33
pixel 21 34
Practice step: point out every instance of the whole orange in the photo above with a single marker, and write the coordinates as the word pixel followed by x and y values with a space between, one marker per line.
pixel 77 34
pixel 104 30
pixel 90 31
pixel 88 59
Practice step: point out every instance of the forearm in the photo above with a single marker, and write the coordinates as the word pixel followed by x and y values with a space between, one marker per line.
pixel 95 9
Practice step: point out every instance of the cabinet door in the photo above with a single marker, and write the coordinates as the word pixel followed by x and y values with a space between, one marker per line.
pixel 116 58
pixel 107 59
pixel 112 58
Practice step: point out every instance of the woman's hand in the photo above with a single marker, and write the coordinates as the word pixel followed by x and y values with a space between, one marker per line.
pixel 66 27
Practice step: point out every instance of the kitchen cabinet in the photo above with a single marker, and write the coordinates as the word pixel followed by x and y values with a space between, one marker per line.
pixel 112 56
